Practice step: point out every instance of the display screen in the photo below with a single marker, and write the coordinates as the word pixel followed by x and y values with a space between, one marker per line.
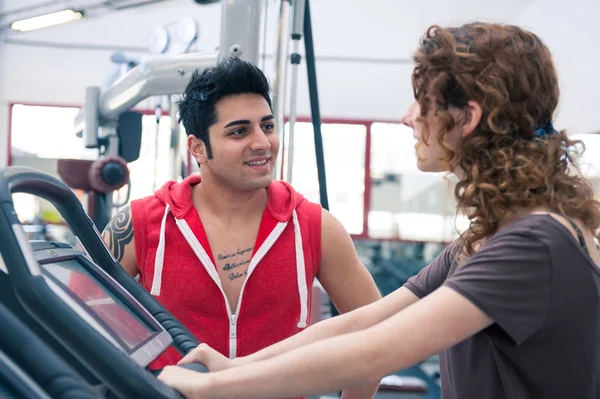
pixel 107 307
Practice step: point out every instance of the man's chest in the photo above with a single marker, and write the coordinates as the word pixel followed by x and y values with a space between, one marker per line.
pixel 232 261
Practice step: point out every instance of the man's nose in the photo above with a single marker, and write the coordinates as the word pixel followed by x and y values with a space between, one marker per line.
pixel 260 140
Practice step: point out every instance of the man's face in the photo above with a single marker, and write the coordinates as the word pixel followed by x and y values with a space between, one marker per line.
pixel 244 143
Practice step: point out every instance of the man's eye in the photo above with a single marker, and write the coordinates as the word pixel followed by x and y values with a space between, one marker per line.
pixel 237 132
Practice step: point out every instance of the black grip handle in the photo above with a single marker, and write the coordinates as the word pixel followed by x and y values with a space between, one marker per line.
pixel 183 339
pixel 20 179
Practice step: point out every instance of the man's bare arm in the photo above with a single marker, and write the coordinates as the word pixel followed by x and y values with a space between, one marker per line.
pixel 118 237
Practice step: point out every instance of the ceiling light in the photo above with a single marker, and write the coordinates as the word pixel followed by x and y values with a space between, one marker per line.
pixel 46 20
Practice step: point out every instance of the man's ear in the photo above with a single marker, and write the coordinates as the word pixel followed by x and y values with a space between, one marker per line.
pixel 472 119
pixel 197 149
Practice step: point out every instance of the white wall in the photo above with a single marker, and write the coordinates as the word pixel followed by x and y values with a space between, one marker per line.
pixel 374 29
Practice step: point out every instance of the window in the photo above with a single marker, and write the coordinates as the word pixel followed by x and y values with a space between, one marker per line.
pixel 39 136
pixel 407 204
pixel 590 162
pixel 45 132
pixel 42 134
pixel 344 152
pixel 153 167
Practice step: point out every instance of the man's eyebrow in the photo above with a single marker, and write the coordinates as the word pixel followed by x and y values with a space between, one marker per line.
pixel 247 122
pixel 238 122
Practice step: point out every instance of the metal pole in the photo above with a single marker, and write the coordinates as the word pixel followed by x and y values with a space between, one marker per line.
pixel 314 105
pixel 279 83
pixel 112 149
pixel 297 28
pixel 90 107
pixel 174 153
pixel 240 29
pixel 157 116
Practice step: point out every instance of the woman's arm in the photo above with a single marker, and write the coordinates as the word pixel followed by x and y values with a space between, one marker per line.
pixel 431 325
pixel 356 320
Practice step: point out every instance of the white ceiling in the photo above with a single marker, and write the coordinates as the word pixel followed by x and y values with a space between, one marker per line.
pixel 11 10
pixel 374 31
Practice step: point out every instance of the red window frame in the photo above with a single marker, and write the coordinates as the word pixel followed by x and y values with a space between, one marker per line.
pixel 347 121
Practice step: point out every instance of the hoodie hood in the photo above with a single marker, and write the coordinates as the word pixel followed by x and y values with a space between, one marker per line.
pixel 281 202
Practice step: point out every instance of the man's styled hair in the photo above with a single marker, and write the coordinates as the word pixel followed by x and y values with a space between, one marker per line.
pixel 232 76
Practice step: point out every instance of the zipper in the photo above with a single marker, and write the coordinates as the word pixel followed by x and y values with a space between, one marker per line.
pixel 212 272
pixel 232 335
pixel 262 251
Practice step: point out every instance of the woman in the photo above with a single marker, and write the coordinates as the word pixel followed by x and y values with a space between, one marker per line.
pixel 513 304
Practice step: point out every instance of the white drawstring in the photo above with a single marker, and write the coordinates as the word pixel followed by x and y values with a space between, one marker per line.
pixel 160 256
pixel 300 271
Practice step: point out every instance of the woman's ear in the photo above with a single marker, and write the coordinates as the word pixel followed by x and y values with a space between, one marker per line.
pixel 473 118
pixel 197 149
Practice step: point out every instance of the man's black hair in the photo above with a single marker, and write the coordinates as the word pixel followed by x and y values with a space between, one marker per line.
pixel 231 76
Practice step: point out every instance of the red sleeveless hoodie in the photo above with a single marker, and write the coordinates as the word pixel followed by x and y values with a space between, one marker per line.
pixel 177 267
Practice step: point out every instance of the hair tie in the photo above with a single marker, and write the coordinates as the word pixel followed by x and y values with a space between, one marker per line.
pixel 545 131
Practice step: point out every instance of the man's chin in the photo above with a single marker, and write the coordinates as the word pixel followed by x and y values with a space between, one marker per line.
pixel 259 183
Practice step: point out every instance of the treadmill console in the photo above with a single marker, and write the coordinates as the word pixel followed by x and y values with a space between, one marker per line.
pixel 99 300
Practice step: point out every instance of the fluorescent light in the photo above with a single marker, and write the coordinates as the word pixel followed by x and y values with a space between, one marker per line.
pixel 46 20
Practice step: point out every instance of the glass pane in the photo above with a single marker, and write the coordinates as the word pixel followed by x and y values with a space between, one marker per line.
pixel 41 220
pixel 406 203
pixel 151 170
pixel 344 153
pixel 46 132
pixel 590 164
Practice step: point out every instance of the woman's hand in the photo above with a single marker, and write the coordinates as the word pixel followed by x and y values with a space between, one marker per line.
pixel 187 382
pixel 210 358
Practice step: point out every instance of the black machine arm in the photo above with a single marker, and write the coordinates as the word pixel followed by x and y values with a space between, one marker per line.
pixel 118 371
pixel 42 365
pixel 26 180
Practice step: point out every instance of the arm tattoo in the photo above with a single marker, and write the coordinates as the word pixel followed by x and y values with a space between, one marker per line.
pixel 120 231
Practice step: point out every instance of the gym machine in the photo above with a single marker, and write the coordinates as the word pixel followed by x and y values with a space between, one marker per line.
pixel 107 122
pixel 90 320
pixel 101 121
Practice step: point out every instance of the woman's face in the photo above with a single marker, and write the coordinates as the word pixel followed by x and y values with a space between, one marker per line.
pixel 429 150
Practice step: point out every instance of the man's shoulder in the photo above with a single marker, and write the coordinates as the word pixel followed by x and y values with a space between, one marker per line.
pixel 146 207
pixel 310 209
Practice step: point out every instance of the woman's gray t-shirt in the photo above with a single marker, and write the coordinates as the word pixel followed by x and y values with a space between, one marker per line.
pixel 542 290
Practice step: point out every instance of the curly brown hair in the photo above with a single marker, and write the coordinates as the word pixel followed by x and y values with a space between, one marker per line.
pixel 509 72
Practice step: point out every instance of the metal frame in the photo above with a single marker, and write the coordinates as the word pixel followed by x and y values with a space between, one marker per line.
pixel 364 235
pixel 169 74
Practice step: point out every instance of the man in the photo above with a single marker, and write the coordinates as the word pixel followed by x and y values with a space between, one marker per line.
pixel 231 253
